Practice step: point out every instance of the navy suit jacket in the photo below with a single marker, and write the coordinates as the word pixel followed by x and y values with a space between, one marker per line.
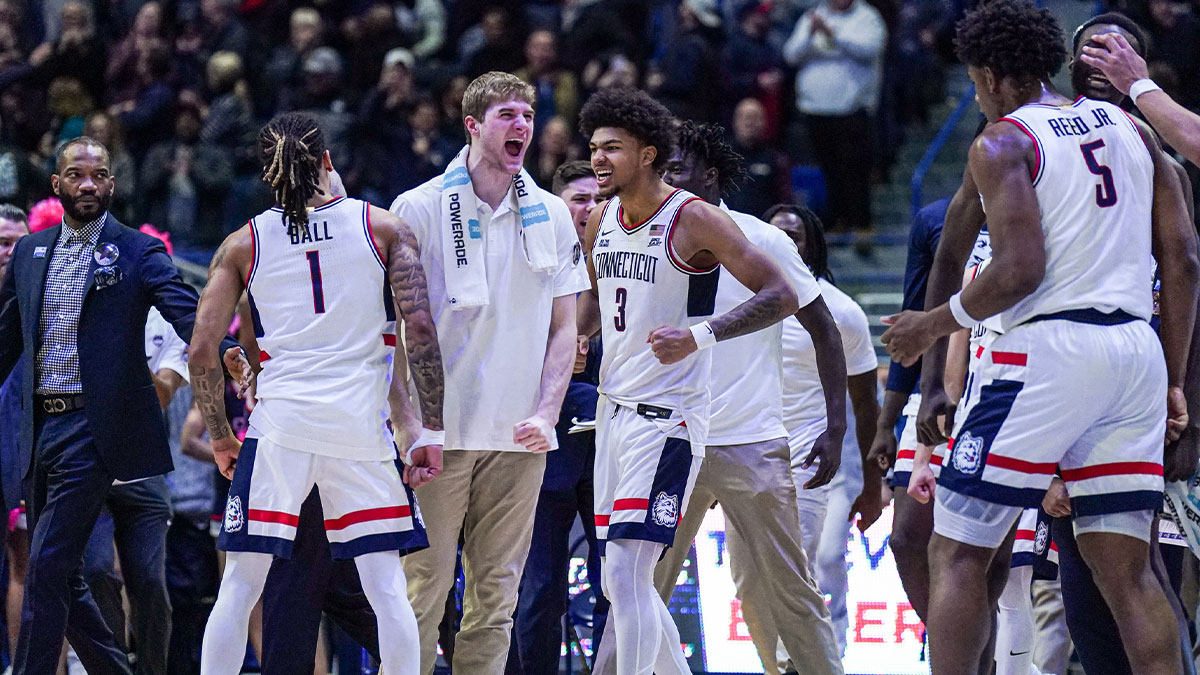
pixel 121 406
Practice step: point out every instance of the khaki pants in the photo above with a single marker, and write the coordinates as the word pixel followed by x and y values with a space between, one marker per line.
pixel 491 497
pixel 753 484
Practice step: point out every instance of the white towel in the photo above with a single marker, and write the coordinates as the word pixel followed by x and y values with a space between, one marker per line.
pixel 462 237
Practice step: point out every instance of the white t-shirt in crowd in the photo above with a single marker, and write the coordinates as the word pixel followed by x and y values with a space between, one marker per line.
pixel 803 398
pixel 493 355
pixel 746 370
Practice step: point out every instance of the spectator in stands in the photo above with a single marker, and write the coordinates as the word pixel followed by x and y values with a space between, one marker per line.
pixel 280 79
pixel 1174 47
pixel 230 121
pixel 368 38
pixel 452 114
pixel 77 52
pixel 218 30
pixel 553 147
pixel 688 78
pixel 501 43
pixel 324 99
pixel 433 149
pixel 422 24
pixel 610 69
pixel 105 128
pixel 837 47
pixel 385 159
pixel 557 89
pixel 754 65
pixel 184 183
pixel 767 172
pixel 69 103
pixel 151 111
pixel 593 27
pixel 121 75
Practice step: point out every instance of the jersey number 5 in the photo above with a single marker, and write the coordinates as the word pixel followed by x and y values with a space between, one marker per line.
pixel 314 271
pixel 1106 191
pixel 619 319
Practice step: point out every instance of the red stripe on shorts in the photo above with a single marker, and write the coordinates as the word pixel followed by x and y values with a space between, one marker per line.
pixel 1113 469
pixel 1021 465
pixel 1025 535
pixel 367 515
pixel 906 454
pixel 389 339
pixel 263 357
pixel 1009 358
pixel 935 460
pixel 601 520
pixel 273 517
pixel 631 505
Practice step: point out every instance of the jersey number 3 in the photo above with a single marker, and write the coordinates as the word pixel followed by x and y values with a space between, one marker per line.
pixel 1106 191
pixel 314 271
pixel 619 319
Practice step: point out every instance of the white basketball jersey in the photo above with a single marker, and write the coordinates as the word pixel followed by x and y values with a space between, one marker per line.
pixel 321 310
pixel 1094 183
pixel 643 285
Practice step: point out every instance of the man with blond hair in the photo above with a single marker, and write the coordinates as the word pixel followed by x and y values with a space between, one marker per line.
pixel 504 265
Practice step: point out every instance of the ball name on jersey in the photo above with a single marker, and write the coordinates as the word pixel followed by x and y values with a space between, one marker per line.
pixel 625 265
pixel 1077 126
pixel 309 233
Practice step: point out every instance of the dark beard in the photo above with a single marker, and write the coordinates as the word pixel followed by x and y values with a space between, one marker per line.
pixel 72 208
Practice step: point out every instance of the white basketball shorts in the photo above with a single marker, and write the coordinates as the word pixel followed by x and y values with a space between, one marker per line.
pixel 367 506
pixel 906 449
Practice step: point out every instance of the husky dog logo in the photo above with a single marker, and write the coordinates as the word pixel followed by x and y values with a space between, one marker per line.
pixel 968 453
pixel 1041 538
pixel 665 511
pixel 233 514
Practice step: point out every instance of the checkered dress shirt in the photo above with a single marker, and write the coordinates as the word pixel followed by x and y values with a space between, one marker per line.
pixel 62 302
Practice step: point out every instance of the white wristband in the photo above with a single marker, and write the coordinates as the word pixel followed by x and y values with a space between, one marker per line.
pixel 704 335
pixel 427 437
pixel 959 312
pixel 1140 87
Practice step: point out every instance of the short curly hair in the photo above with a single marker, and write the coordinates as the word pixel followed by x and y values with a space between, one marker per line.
pixel 1013 38
pixel 634 111
pixel 706 143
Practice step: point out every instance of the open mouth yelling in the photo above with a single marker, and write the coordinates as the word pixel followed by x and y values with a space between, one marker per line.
pixel 603 176
pixel 514 146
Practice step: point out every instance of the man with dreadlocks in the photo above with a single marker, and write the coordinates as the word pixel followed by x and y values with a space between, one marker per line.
pixel 1078 197
pixel 747 460
pixel 321 275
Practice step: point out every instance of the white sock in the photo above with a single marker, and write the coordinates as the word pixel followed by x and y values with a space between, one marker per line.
pixel 386 589
pixel 646 638
pixel 1015 626
pixel 225 634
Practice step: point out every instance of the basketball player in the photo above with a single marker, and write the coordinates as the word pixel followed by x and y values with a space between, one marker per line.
pixel 1069 190
pixel 313 268
pixel 746 462
pixel 654 255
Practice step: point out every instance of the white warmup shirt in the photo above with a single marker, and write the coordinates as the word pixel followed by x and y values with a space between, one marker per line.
pixel 164 348
pixel 493 355
pixel 803 398
pixel 838 76
pixel 746 370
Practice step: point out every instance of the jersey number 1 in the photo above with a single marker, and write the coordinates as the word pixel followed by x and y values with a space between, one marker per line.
pixel 1106 191
pixel 314 271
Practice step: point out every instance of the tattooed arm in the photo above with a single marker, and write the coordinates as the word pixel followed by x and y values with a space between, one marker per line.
pixel 218 302
pixel 704 236
pixel 407 279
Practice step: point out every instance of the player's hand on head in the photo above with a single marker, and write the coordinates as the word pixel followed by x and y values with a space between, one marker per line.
pixel 534 433
pixel 922 484
pixel 425 464
pixel 935 417
pixel 907 338
pixel 828 450
pixel 225 453
pixel 239 367
pixel 1056 502
pixel 1116 59
pixel 671 344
